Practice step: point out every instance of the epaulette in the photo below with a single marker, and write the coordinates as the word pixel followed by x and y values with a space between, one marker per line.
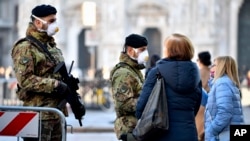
pixel 19 41
pixel 41 47
pixel 120 64
pixel 123 64
pixel 30 41
pixel 117 66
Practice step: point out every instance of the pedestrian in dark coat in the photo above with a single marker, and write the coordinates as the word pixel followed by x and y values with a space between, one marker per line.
pixel 153 59
pixel 183 89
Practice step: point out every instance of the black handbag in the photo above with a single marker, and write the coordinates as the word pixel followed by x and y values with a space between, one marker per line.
pixel 154 119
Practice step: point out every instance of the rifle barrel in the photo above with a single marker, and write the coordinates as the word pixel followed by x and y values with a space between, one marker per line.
pixel 71 66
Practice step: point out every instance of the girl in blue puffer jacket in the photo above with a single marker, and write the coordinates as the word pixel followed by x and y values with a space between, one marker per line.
pixel 224 104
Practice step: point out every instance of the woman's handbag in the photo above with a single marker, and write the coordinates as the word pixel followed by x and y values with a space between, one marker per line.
pixel 154 118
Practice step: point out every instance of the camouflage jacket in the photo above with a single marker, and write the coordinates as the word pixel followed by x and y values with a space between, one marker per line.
pixel 34 72
pixel 126 80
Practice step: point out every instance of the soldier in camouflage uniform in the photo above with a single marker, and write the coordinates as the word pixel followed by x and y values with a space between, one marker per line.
pixel 127 80
pixel 38 86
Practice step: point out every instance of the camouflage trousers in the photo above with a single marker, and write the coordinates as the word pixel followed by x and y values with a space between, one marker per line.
pixel 51 131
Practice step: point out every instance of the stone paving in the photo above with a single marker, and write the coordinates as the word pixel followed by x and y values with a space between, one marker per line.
pixel 98 125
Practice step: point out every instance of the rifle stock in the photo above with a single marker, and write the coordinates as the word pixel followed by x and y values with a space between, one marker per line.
pixel 72 97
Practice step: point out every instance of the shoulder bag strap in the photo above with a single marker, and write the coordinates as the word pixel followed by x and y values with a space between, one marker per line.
pixel 158 74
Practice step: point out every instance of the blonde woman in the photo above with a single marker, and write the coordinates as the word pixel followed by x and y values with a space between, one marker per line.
pixel 224 105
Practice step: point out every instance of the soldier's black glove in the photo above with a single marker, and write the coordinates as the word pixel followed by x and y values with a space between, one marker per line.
pixel 61 88
pixel 128 137
pixel 123 137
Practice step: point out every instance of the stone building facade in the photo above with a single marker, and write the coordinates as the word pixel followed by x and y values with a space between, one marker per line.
pixel 218 26
pixel 8 29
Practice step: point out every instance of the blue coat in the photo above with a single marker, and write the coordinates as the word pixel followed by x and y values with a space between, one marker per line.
pixel 183 90
pixel 223 108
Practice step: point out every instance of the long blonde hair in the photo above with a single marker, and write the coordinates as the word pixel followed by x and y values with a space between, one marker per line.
pixel 227 65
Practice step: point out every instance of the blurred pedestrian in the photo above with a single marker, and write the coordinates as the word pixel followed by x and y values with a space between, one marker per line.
pixel 154 58
pixel 183 87
pixel 199 118
pixel 248 80
pixel 38 86
pixel 203 62
pixel 224 105
pixel 126 82
pixel 211 78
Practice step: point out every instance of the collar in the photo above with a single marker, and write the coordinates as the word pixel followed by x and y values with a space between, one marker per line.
pixel 41 36
pixel 133 63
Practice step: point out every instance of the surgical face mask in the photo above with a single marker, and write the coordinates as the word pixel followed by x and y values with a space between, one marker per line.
pixel 52 28
pixel 142 57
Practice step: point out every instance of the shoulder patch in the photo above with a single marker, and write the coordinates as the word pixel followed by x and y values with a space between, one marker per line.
pixel 123 89
pixel 24 60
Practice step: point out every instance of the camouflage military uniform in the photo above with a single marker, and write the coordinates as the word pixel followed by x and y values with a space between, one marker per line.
pixel 126 83
pixel 34 72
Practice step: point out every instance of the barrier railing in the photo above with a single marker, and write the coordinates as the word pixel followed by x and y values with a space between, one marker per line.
pixel 23 109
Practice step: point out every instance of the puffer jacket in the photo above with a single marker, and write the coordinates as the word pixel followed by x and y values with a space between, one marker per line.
pixel 223 108
pixel 183 90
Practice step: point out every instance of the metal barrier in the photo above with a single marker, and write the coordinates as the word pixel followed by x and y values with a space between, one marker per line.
pixel 8 95
pixel 39 109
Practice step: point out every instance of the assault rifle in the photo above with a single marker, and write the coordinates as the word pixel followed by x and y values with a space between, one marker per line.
pixel 72 97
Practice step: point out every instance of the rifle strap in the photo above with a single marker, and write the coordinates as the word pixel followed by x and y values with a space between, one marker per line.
pixel 42 46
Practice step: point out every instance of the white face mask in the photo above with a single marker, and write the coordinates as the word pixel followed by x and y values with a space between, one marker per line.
pixel 52 28
pixel 143 57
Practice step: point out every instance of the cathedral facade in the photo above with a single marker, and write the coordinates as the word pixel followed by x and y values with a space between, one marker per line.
pixel 219 27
